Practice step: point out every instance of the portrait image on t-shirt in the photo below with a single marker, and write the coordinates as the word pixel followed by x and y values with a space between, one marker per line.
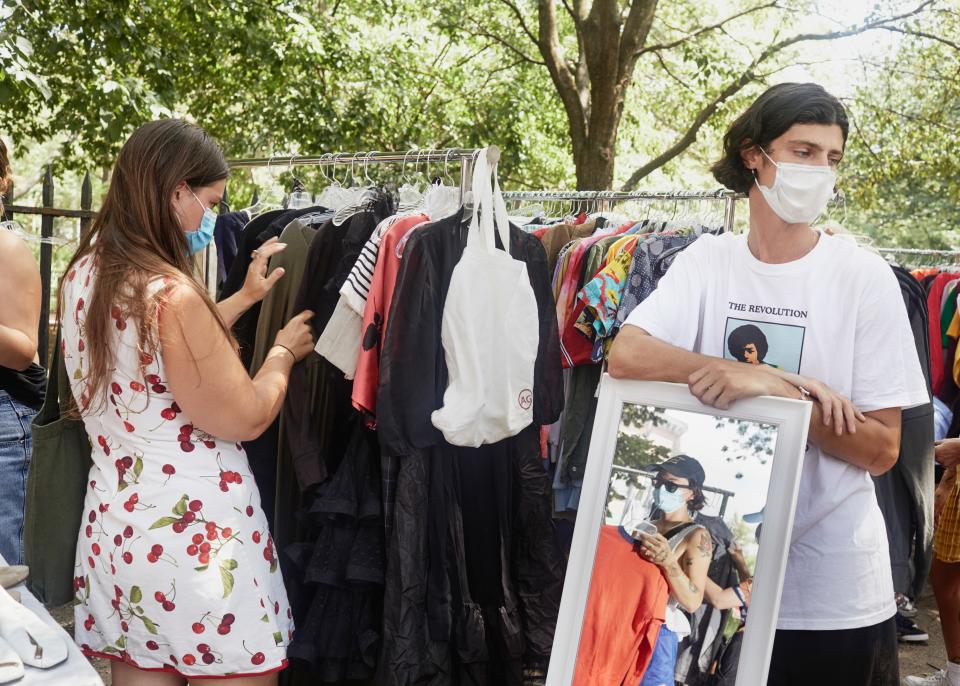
pixel 764 343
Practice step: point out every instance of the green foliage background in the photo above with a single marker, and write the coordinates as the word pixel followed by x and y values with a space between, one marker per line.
pixel 272 76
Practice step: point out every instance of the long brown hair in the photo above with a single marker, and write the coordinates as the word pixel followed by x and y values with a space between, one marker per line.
pixel 136 238
pixel 6 173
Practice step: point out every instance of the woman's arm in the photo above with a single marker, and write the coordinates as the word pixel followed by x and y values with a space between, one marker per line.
pixel 207 378
pixel 20 304
pixel 720 598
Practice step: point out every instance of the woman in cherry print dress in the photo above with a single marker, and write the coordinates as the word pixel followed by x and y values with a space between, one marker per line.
pixel 176 573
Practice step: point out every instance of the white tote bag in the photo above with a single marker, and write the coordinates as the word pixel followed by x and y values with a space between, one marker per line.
pixel 490 329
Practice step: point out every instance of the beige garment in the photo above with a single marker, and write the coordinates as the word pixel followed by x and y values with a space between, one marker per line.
pixel 12 575
pixel 558 236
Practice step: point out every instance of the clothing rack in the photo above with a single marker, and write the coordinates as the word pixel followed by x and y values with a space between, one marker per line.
pixel 947 258
pixel 465 156
pixel 611 197
pixel 919 252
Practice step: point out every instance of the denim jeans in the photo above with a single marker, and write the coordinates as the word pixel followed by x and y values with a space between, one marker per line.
pixel 15 449
pixel 664 661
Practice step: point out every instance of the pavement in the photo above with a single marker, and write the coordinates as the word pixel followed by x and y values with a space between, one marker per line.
pixel 924 658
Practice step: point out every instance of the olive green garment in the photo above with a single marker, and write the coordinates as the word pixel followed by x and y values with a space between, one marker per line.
pixel 277 307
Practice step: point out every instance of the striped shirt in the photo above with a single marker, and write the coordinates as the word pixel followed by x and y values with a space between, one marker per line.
pixel 355 289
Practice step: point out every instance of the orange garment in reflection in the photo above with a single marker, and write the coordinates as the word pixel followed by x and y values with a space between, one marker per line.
pixel 625 609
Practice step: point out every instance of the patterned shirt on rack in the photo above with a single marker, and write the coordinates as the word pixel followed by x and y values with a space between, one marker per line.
pixel 644 275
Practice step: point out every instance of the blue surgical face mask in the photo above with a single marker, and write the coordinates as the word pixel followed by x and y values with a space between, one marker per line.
pixel 667 501
pixel 199 239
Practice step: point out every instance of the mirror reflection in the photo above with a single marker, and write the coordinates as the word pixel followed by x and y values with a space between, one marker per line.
pixel 673 572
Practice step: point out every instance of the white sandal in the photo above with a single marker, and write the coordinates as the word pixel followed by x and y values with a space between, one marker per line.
pixel 11 666
pixel 37 644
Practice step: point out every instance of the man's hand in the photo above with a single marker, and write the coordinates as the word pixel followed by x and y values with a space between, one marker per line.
pixel 837 410
pixel 721 383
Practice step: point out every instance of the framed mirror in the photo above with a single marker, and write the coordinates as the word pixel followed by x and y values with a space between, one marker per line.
pixel 668 581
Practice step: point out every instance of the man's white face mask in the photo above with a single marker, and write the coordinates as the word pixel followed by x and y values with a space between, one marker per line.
pixel 800 192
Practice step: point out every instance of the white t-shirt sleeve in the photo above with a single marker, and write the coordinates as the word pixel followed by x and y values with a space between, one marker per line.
pixel 673 312
pixel 886 370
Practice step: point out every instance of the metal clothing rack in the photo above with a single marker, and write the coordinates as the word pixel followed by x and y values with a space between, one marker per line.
pixel 465 156
pixel 947 258
pixel 609 198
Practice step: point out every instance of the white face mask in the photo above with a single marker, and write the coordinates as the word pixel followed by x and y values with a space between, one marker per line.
pixel 800 192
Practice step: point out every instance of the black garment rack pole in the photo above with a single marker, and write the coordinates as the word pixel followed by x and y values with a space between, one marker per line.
pixel 606 199
pixel 465 156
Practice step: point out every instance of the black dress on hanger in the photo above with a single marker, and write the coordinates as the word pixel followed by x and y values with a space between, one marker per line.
pixel 474 575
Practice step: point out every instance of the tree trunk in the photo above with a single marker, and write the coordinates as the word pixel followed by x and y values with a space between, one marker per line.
pixel 593 87
pixel 594 164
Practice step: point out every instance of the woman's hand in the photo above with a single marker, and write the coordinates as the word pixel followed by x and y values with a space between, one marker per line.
pixel 656 549
pixel 943 492
pixel 258 284
pixel 948 452
pixel 297 336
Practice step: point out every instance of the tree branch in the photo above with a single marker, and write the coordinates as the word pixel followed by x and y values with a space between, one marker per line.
pixel 635 32
pixel 749 75
pixel 523 22
pixel 863 140
pixel 923 34
pixel 705 29
pixel 563 79
pixel 509 46
pixel 572 13
pixel 681 82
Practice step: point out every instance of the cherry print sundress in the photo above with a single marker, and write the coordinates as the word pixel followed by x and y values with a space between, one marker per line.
pixel 175 566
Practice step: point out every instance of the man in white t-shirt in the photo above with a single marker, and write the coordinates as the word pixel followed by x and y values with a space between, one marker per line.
pixel 821 319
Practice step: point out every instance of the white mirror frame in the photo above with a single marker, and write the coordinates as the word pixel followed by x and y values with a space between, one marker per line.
pixel 792 418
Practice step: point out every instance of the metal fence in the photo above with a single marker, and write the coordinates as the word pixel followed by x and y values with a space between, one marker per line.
pixel 48 213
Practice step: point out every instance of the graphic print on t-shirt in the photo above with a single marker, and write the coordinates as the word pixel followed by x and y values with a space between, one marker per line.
pixel 775 345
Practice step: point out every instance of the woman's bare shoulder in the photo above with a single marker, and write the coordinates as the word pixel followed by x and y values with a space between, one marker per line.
pixel 16 256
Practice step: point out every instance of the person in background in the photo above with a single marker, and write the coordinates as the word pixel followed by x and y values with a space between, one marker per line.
pixel 22 381
pixel 945 570
pixel 845 344
pixel 683 550
pixel 177 574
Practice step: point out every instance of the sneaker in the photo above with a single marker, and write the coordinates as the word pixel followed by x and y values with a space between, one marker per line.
pixel 938 679
pixel 905 607
pixel 909 632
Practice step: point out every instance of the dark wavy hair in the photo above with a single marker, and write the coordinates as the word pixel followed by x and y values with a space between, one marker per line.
pixel 769 117
pixel 698 500
pixel 741 336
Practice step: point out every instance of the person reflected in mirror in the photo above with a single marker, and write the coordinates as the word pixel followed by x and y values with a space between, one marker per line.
pixel 738 599
pixel 683 550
